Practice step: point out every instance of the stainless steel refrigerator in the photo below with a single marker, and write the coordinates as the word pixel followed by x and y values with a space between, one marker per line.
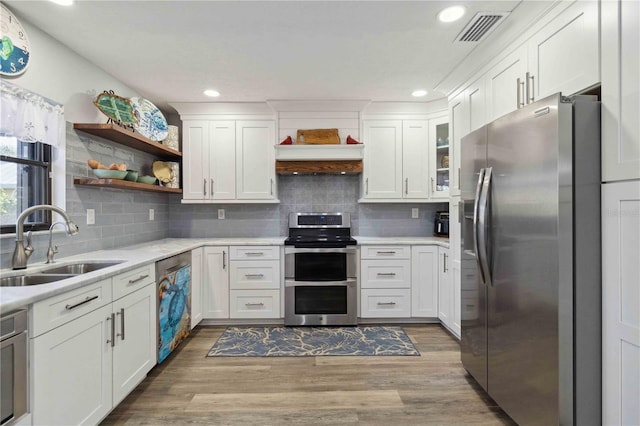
pixel 530 207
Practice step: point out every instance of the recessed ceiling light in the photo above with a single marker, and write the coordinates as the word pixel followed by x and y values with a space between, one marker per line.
pixel 451 14
pixel 419 93
pixel 62 2
pixel 212 93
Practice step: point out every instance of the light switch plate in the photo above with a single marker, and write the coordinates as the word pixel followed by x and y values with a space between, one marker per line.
pixel 415 213
pixel 152 214
pixel 91 217
pixel 220 213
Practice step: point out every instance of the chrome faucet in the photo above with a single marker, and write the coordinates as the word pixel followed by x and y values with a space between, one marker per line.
pixel 22 253
pixel 52 250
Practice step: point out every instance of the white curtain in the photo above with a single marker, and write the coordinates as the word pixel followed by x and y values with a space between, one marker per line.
pixel 30 117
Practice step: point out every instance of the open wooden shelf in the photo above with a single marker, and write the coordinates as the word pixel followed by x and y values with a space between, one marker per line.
pixel 126 137
pixel 124 184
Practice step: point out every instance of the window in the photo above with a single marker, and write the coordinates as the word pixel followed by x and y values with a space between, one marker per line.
pixel 25 172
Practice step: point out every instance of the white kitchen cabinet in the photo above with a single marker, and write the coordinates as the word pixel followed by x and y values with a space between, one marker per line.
pixel 415 149
pixel 621 303
pixel 228 160
pixel 385 286
pixel 456 307
pixel 254 282
pixel 215 279
pixel 88 352
pixel 439 158
pixel 197 265
pixel 255 160
pixel 424 281
pixel 71 368
pixel 620 62
pixel 505 84
pixel 445 289
pixel 459 126
pixel 385 303
pixel 382 177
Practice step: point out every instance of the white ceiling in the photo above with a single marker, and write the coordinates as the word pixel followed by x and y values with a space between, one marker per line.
pixel 170 51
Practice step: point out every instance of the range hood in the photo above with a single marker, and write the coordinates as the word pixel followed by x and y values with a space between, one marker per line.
pixel 313 159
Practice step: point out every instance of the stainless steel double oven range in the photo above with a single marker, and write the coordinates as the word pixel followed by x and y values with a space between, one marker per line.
pixel 321 264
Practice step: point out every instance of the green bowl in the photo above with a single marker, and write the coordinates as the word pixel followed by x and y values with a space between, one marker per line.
pixel 147 179
pixel 132 175
pixel 109 174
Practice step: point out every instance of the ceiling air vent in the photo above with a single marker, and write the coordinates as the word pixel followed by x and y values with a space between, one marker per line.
pixel 481 25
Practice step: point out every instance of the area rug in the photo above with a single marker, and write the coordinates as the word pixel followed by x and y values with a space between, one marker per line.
pixel 313 341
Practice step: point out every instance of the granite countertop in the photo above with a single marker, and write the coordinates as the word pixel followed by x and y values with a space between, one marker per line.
pixel 12 298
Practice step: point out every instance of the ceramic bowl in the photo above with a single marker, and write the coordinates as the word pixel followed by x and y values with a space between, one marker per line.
pixel 147 179
pixel 109 174
pixel 132 175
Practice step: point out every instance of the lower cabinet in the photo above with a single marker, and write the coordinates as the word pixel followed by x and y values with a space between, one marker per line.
pixel 386 282
pixel 424 281
pixel 448 293
pixel 215 283
pixel 87 352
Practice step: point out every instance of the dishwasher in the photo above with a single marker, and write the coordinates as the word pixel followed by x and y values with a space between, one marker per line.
pixel 174 302
pixel 13 364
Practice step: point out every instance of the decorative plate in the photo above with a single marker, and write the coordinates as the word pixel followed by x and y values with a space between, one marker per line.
pixel 162 171
pixel 15 50
pixel 116 107
pixel 151 121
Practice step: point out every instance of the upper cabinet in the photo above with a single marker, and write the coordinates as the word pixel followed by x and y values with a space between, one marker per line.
pixel 620 107
pixel 228 161
pixel 403 160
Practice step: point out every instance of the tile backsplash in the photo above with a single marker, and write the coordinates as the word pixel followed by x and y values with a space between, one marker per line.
pixel 122 217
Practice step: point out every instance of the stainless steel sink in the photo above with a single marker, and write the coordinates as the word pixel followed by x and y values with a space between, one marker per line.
pixel 80 267
pixel 34 279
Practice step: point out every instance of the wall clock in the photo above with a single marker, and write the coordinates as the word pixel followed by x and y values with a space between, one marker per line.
pixel 14 48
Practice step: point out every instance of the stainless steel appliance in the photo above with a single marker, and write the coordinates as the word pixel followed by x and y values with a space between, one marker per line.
pixel 320 270
pixel 531 241
pixel 174 302
pixel 13 366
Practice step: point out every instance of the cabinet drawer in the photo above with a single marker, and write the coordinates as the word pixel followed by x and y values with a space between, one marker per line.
pixel 55 311
pixel 386 252
pixel 133 280
pixel 254 252
pixel 385 303
pixel 385 273
pixel 248 275
pixel 254 303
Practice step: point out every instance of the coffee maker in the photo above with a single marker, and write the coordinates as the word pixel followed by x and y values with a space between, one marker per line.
pixel 441 224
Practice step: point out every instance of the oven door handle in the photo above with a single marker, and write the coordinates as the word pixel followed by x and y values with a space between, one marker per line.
pixel 294 250
pixel 349 282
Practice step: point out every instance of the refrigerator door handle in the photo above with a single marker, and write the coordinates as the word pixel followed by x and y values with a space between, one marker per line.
pixel 483 229
pixel 476 217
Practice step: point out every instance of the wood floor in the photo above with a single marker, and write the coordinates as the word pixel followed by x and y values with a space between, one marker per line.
pixel 432 389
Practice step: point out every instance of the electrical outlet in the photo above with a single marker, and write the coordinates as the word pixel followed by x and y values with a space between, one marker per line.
pixel 91 217
pixel 415 213
pixel 220 213
pixel 152 214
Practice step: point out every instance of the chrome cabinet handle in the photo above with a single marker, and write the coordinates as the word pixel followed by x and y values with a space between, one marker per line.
pixel 366 186
pixel 272 186
pixel 254 304
pixel 521 97
pixel 406 186
pixel 112 318
pixel 121 313
pixel 386 303
pixel 433 188
pixel 254 275
pixel 87 300
pixel 532 97
pixel 444 268
pixel 387 274
pixel 211 186
pixel 224 259
pixel 254 253
pixel 458 178
pixel 518 93
pixel 386 252
pixel 140 278
pixel 204 187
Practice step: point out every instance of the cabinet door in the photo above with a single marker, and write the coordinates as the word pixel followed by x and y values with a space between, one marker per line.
pixel 71 370
pixel 620 307
pixel 503 92
pixel 459 126
pixel 255 160
pixel 134 353
pixel 563 56
pixel 424 281
pixel 456 305
pixel 415 159
pixel 222 160
pixel 216 282
pixel 195 159
pixel 382 177
pixel 444 288
pixel 620 90
pixel 439 157
pixel 196 286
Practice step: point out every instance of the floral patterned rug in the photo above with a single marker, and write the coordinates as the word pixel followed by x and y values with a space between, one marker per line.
pixel 313 341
